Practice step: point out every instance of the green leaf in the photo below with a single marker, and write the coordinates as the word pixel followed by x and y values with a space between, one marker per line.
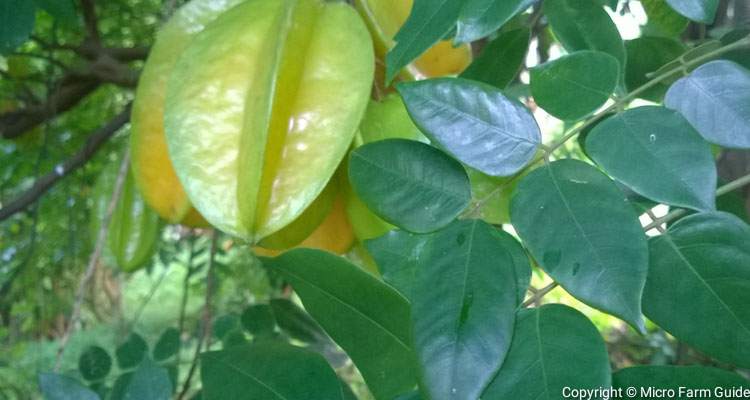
pixel 259 320
pixel 409 184
pixel 61 387
pixel 678 378
pixel 655 152
pixel 714 99
pixel 645 56
pixel 697 10
pixel 63 10
pixel 597 250
pixel 397 253
pixel 474 122
pixel 168 344
pixel 149 381
pixel 575 85
pixel 741 55
pixel 662 20
pixel 464 300
pixel 584 25
pixel 225 324
pixel 428 23
pixel 131 352
pixel 501 59
pixel 94 363
pixel 554 346
pixel 272 371
pixel 295 322
pixel 16 23
pixel 700 276
pixel 367 318
pixel 479 18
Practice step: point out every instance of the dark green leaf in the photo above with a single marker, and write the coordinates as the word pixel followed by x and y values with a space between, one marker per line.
pixel 61 387
pixel 268 371
pixel 554 346
pixel 397 253
pixel 714 99
pixel 259 320
pixel 474 122
pixel 94 363
pixel 575 85
pixel 63 10
pixel 464 301
pixel 479 18
pixel 645 56
pixel 149 381
pixel 655 152
pixel 120 386
pixel 367 318
pixel 680 379
pixel 131 352
pixel 597 250
pixel 296 323
pixel 428 23
pixel 409 184
pixel 584 25
pixel 742 55
pixel 225 324
pixel 168 344
pixel 700 277
pixel 16 23
pixel 662 20
pixel 501 59
pixel 697 10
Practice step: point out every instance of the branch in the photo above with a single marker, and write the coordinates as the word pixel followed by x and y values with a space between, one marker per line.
pixel 101 240
pixel 90 20
pixel 71 91
pixel 46 182
pixel 205 337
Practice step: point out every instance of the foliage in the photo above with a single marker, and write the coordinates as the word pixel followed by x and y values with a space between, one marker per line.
pixel 373 199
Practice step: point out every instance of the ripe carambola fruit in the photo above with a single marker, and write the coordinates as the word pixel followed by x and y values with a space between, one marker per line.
pixel 385 18
pixel 134 228
pixel 262 107
pixel 152 168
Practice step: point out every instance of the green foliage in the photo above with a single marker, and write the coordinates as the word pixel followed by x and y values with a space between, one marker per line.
pixel 463 307
pixel 712 98
pixel 631 144
pixel 575 85
pixel 699 272
pixel 540 364
pixel 501 59
pixel 268 371
pixel 506 136
pixel 603 267
pixel 409 184
pixel 94 363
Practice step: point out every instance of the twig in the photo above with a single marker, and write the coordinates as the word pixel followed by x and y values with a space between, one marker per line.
pixel 90 20
pixel 94 259
pixel 46 182
pixel 729 187
pixel 206 319
pixel 540 294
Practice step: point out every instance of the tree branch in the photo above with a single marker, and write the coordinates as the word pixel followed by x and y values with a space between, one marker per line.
pixel 90 20
pixel 46 182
